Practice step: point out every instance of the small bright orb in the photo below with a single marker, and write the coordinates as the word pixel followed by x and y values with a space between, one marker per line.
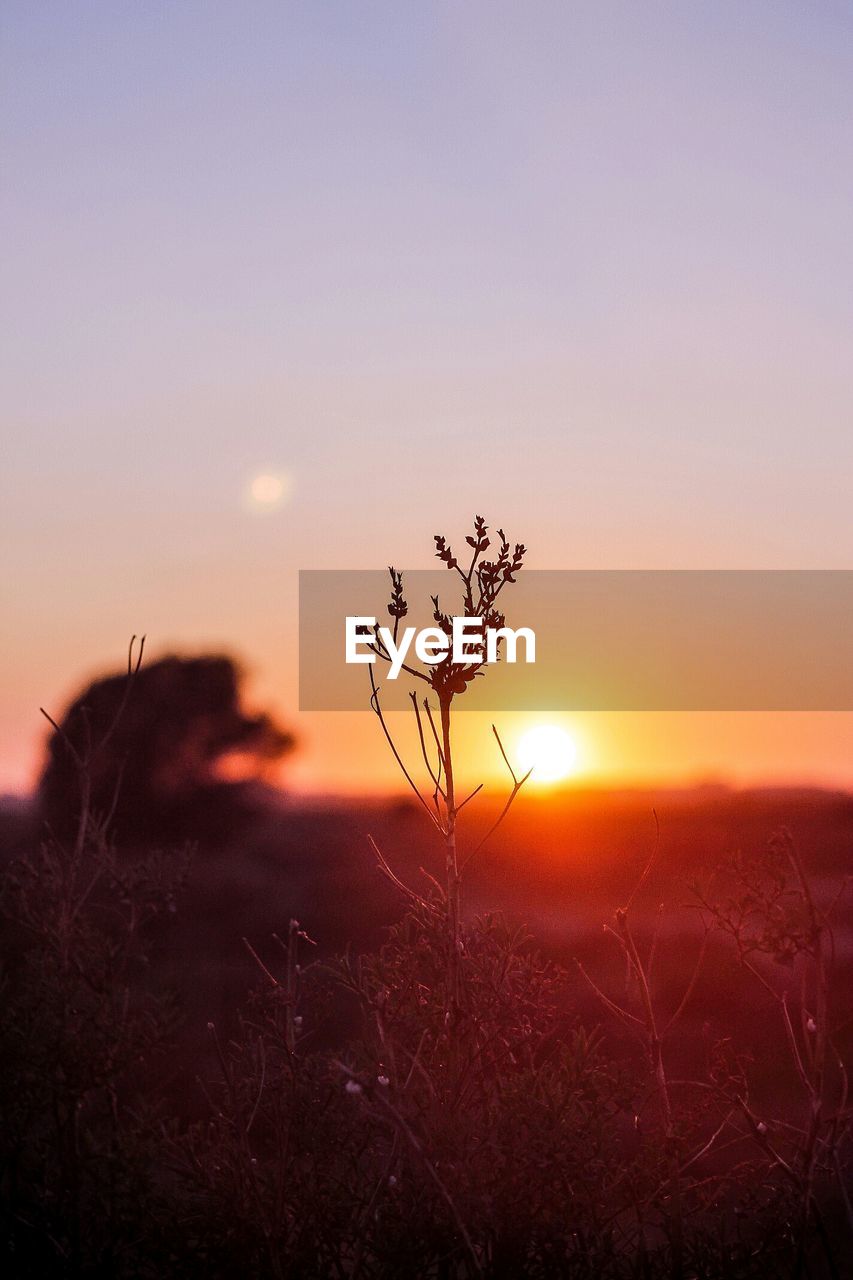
pixel 268 490
pixel 549 751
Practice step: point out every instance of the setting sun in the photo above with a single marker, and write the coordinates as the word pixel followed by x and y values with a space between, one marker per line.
pixel 549 751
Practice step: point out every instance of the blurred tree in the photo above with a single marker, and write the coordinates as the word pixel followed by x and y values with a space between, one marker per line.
pixel 157 741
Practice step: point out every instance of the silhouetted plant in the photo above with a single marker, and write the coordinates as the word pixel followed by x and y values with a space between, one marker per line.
pixel 786 942
pixel 500 1152
pixel 482 583
pixel 82 1169
pixel 770 913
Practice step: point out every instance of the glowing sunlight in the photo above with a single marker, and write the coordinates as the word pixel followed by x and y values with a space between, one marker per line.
pixel 549 751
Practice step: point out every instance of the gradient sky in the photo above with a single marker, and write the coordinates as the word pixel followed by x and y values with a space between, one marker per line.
pixel 585 268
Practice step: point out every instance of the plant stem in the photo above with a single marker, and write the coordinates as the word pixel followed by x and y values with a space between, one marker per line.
pixel 655 1051
pixel 454 939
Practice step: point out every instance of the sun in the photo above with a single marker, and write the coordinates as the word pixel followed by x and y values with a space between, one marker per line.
pixel 549 751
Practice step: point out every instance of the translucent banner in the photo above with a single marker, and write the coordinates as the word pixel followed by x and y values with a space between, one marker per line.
pixel 605 640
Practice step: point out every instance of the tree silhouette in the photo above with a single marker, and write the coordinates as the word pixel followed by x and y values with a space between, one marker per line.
pixel 153 740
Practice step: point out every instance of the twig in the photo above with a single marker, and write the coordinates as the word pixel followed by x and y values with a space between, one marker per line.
pixel 376 707
pixel 475 792
pixel 259 962
pixel 435 775
pixel 395 879
pixel 685 999
pixel 518 783
pixel 630 1019
pixel 652 858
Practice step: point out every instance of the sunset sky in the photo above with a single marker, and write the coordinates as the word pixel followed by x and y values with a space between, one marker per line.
pixel 584 268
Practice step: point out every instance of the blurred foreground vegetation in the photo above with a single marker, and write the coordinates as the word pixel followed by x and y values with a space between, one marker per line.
pixel 344 1120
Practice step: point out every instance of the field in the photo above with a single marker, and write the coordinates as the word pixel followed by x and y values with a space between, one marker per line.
pixel 562 865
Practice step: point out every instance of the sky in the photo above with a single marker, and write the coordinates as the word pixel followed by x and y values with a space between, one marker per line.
pixel 584 268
